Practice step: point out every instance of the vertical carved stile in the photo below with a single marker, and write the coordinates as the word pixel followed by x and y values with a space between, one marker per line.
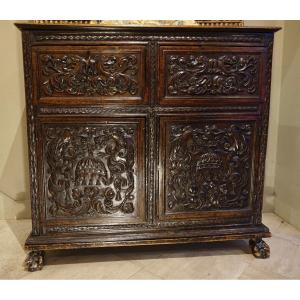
pixel 31 132
pixel 153 71
pixel 264 132
pixel 152 130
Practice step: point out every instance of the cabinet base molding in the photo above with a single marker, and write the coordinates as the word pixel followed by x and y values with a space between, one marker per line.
pixel 97 240
pixel 39 244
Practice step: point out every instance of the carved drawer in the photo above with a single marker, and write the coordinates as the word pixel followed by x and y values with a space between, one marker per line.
pixel 192 75
pixel 207 168
pixel 113 74
pixel 92 171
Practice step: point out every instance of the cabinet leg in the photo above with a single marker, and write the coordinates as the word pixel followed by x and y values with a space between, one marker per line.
pixel 259 248
pixel 35 260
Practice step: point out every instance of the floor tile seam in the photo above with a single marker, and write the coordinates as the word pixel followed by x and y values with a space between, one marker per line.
pixel 144 269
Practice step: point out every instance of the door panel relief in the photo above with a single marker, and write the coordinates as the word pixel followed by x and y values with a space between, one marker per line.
pixel 93 171
pixel 208 165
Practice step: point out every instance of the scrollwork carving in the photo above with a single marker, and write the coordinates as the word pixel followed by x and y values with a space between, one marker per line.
pixel 90 170
pixel 89 75
pixel 208 75
pixel 209 166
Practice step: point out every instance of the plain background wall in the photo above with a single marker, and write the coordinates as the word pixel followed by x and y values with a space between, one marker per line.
pixel 14 178
pixel 14 182
pixel 287 182
pixel 269 191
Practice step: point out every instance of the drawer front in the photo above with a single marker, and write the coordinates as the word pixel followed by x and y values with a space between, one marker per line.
pixel 206 167
pixel 193 75
pixel 92 171
pixel 90 74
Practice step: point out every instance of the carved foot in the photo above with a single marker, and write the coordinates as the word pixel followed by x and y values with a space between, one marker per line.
pixel 259 248
pixel 35 260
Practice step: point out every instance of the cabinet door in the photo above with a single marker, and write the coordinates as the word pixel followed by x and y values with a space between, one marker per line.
pixel 206 168
pixel 92 171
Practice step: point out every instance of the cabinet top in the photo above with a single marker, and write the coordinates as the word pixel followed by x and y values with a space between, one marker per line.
pixel 142 28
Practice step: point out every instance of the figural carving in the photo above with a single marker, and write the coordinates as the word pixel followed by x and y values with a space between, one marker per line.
pixel 208 166
pixel 90 170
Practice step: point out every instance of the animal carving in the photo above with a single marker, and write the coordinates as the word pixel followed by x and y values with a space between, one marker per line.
pixel 90 170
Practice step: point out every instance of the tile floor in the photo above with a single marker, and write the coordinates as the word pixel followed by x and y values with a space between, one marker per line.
pixel 229 260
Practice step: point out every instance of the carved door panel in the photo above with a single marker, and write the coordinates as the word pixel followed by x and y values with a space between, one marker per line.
pixel 90 74
pixel 92 171
pixel 206 168
pixel 191 75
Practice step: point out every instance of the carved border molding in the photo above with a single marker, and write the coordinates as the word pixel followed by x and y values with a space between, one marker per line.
pixel 163 224
pixel 151 130
pixel 203 23
pixel 91 110
pixel 220 23
pixel 106 36
pixel 114 110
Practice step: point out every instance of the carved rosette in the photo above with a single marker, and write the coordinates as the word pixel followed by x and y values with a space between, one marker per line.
pixel 88 75
pixel 208 75
pixel 90 170
pixel 209 166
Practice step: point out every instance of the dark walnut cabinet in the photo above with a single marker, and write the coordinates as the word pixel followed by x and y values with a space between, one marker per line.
pixel 146 135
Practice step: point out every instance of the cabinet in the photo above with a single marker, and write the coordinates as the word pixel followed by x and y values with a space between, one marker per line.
pixel 145 135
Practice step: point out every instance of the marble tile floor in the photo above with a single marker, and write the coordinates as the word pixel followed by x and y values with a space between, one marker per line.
pixel 229 260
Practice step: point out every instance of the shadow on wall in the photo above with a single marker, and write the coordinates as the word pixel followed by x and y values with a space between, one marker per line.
pixel 14 180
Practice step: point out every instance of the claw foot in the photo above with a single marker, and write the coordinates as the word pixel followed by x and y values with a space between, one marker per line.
pixel 35 261
pixel 259 248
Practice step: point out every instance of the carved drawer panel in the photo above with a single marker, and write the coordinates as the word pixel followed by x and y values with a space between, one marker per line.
pixel 192 75
pixel 101 74
pixel 206 167
pixel 92 170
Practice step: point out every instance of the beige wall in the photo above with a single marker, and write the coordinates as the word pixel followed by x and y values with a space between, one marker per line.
pixel 13 151
pixel 14 182
pixel 287 182
pixel 14 194
pixel 269 192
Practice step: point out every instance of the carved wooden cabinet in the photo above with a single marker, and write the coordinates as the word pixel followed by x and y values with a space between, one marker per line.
pixel 146 135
